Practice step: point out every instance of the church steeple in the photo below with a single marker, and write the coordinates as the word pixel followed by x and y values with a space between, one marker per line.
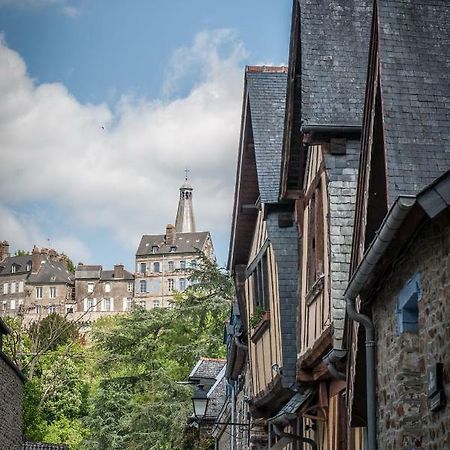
pixel 185 222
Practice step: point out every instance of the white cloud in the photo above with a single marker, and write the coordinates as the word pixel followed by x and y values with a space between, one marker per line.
pixel 62 5
pixel 123 178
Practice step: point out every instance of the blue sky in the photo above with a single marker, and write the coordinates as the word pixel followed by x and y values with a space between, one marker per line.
pixel 108 101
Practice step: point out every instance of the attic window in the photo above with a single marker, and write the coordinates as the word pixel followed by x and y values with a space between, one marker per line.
pixel 173 249
pixel 154 248
pixel 13 268
pixel 408 306
pixel 28 267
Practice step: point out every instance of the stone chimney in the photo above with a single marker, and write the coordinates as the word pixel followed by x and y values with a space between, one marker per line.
pixel 4 250
pixel 118 271
pixel 53 254
pixel 35 260
pixel 170 234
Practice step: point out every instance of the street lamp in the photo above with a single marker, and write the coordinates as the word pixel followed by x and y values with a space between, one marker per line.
pixel 200 402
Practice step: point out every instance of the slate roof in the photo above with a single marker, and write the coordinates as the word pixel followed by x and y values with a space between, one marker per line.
pixel 87 272
pixel 108 275
pixel 207 368
pixel 20 262
pixel 185 243
pixel 216 394
pixel 415 85
pixel 266 87
pixel 41 446
pixel 334 42
pixel 51 272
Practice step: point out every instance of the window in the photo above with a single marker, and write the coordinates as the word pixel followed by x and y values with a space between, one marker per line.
pixel 141 304
pixel 156 267
pixel 12 304
pixel 170 282
pixel 90 287
pixel 130 286
pixel 13 287
pixel 127 304
pixel 173 249
pixel 171 266
pixel 13 268
pixel 5 288
pixel 182 264
pixel 39 292
pixel 28 267
pixel 154 249
pixel 90 304
pixel 182 284
pixel 193 264
pixel 20 286
pixel 51 309
pixel 5 306
pixel 107 287
pixel 315 238
pixel 408 307
pixel 155 303
pixel 260 282
pixel 38 310
pixel 106 304
pixel 52 292
pixel 143 267
pixel 69 309
pixel 143 286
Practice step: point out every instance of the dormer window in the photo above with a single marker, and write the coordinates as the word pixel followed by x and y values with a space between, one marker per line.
pixel 13 268
pixel 154 249
pixel 28 267
pixel 173 249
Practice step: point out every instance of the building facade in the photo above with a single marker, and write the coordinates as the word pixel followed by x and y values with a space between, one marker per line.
pixel 33 286
pixel 164 261
pixel 100 293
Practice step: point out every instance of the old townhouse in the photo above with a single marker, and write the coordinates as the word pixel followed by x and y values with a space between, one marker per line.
pixel 164 261
pixel 35 285
pixel 263 255
pixel 327 71
pixel 400 255
pixel 99 292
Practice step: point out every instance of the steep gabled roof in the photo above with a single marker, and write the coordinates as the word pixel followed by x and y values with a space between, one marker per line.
pixel 415 86
pixel 108 275
pixel 20 262
pixel 266 87
pixel 51 272
pixel 207 368
pixel 334 42
pixel 184 243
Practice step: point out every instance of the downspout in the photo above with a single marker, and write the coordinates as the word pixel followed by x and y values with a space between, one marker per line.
pixel 378 246
pixel 240 344
pixel 279 432
pixel 233 415
pixel 330 361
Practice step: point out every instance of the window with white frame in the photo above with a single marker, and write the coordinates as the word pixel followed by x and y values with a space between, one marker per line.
pixel 182 284
pixel 13 287
pixel 143 286
pixel 20 286
pixel 39 292
pixel 127 304
pixel 182 264
pixel 13 268
pixel 90 288
pixel 154 249
pixel 90 304
pixel 5 305
pixel 38 310
pixel 106 304
pixel 171 266
pixel 12 304
pixel 5 288
pixel 156 304
pixel 130 286
pixel 143 267
pixel 51 309
pixel 156 267
pixel 52 291
pixel 141 303
pixel 28 267
pixel 107 287
pixel 171 284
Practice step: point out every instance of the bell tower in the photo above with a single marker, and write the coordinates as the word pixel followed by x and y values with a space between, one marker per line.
pixel 185 222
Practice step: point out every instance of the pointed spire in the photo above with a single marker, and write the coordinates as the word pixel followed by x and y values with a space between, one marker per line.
pixel 185 222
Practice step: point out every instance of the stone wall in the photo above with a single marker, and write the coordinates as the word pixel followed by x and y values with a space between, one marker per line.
pixel 10 407
pixel 403 361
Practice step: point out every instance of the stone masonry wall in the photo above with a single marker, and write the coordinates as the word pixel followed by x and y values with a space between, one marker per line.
pixel 10 407
pixel 404 418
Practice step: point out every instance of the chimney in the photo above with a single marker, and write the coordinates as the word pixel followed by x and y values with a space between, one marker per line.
pixel 35 260
pixel 53 255
pixel 64 259
pixel 118 271
pixel 4 250
pixel 170 234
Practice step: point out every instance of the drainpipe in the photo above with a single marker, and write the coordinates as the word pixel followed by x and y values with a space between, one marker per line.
pixel 233 415
pixel 330 361
pixel 238 342
pixel 279 432
pixel 391 223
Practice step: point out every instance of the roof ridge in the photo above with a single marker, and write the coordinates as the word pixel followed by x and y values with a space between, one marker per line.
pixel 266 69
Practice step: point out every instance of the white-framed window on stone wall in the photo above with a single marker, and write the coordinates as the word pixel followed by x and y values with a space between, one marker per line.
pixel 182 284
pixel 143 286
pixel 13 287
pixel 170 266
pixel 21 284
pixel 5 288
pixel 12 304
pixel 130 286
pixel 143 267
pixel 141 304
pixel 28 267
pixel 90 287
pixel 52 291
pixel 170 284
pixel 106 304
pixel 182 264
pixel 90 304
pixel 38 310
pixel 51 309
pixel 4 305
pixel 13 268
pixel 156 304
pixel 127 304
pixel 107 287
pixel 39 292
pixel 156 267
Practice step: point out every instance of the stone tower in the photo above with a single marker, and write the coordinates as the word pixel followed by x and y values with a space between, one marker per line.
pixel 185 222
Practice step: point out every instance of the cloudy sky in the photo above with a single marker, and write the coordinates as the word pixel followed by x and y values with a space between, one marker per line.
pixel 104 103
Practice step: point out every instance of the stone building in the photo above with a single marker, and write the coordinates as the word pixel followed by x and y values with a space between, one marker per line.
pixel 11 389
pixel 163 261
pixel 101 292
pixel 34 285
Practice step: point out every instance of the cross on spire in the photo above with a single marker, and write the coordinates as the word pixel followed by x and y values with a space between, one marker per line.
pixel 186 172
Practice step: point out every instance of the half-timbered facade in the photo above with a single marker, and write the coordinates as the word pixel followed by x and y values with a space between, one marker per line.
pixel 328 59
pixel 263 251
